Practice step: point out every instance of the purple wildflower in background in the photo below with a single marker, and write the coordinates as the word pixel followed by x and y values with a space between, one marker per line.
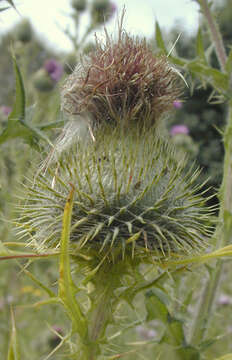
pixel 224 300
pixel 54 69
pixel 113 8
pixel 179 129
pixel 177 104
pixel 6 110
pixel 55 340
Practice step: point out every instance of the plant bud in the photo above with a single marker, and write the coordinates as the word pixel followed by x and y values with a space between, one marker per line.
pixel 42 81
pixel 102 11
pixel 24 31
pixel 132 198
pixel 70 63
pixel 79 5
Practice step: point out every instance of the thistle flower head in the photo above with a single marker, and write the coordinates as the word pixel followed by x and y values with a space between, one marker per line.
pixel 54 69
pixel 122 82
pixel 102 11
pixel 79 5
pixel 131 197
pixel 24 31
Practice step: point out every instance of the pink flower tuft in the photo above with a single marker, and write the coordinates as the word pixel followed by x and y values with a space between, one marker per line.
pixel 177 104
pixel 179 129
pixel 6 110
pixel 122 81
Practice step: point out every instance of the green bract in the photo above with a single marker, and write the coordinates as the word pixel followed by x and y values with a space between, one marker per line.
pixel 132 196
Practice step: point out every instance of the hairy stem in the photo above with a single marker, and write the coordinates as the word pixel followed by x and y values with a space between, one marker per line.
pixel 214 33
pixel 223 232
pixel 99 319
pixel 223 235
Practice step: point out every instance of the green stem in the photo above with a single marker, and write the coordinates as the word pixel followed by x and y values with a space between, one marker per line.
pixel 214 33
pixel 223 232
pixel 99 319
pixel 223 235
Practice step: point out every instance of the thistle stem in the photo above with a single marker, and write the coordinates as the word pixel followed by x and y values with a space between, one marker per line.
pixel 99 319
pixel 214 33
pixel 223 232
pixel 223 236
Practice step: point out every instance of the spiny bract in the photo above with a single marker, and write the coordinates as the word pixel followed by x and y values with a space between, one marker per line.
pixel 131 195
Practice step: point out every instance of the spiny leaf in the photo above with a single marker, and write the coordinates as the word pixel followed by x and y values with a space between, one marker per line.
pixel 13 349
pixel 16 124
pixel 39 283
pixel 213 76
pixel 178 61
pixel 19 105
pixel 12 4
pixel 175 333
pixel 66 285
pixel 3 249
pixel 156 305
pixel 207 343
pixel 159 38
pixel 4 8
pixel 200 47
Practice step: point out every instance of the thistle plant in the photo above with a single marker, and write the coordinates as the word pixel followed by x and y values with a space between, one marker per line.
pixel 131 200
pixel 118 204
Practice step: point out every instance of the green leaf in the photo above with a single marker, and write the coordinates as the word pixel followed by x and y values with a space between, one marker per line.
pixel 19 105
pixel 3 249
pixel 12 4
pixel 188 353
pixel 16 124
pixel 156 302
pixel 13 349
pixel 4 8
pixel 159 39
pixel 67 288
pixel 51 125
pixel 178 61
pixel 225 357
pixel 39 283
pixel 200 47
pixel 206 344
pixel 175 333
pixel 216 78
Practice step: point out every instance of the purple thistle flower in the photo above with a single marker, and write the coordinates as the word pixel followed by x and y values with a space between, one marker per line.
pixel 6 110
pixel 120 82
pixel 177 104
pixel 54 69
pixel 113 8
pixel 179 129
pixel 224 299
